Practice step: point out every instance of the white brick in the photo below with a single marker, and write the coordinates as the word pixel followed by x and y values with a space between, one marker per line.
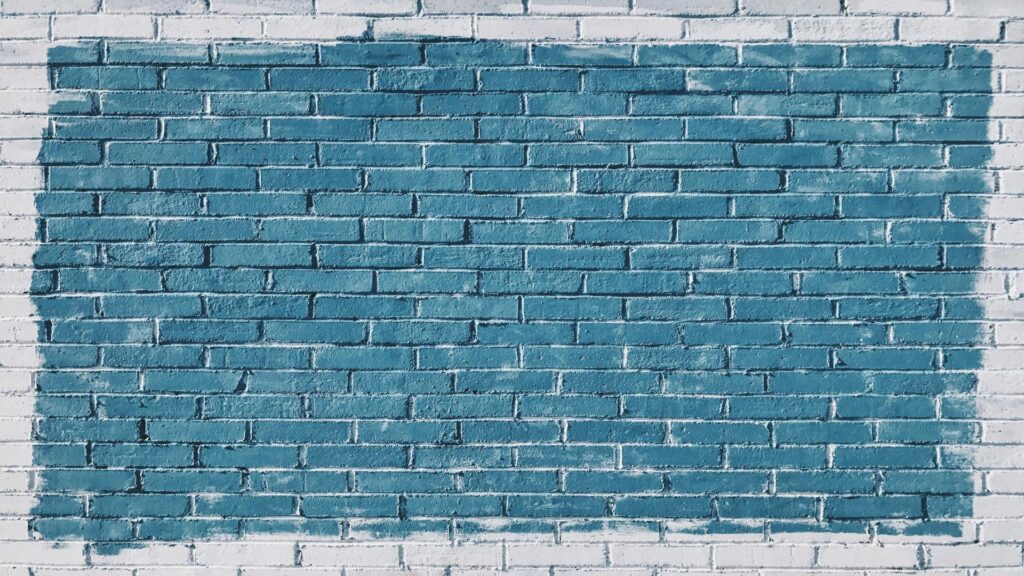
pixel 985 457
pixel 1010 432
pixel 948 29
pixel 16 504
pixel 421 572
pixel 283 572
pixel 1015 31
pixel 867 556
pixel 902 7
pixel 20 178
pixel 350 555
pixel 50 6
pixel 563 555
pixel 1000 309
pixel 998 506
pixel 789 7
pixel 1010 332
pixel 633 28
pixel 738 29
pixel 764 556
pixel 155 6
pixel 24 53
pixel 14 380
pixel 1003 530
pixel 1006 482
pixel 17 429
pixel 465 555
pixel 25 27
pixel 17 228
pixel 245 553
pixel 1000 407
pixel 22 126
pixel 1000 383
pixel 686 7
pixel 13 481
pixel 154 554
pixel 843 29
pixel 261 6
pixel 43 553
pixel 378 7
pixel 989 8
pixel 13 529
pixel 17 152
pixel 15 255
pixel 472 7
pixel 974 555
pixel 15 281
pixel 204 27
pixel 103 26
pixel 527 28
pixel 579 6
pixel 321 28
pixel 1013 183
pixel 660 555
pixel 23 77
pixel 21 405
pixel 34 102
pixel 436 27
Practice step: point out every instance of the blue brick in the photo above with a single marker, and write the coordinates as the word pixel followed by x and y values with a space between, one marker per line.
pixel 737 81
pixel 159 53
pixel 432 129
pixel 672 155
pixel 473 155
pixel 785 55
pixel 529 80
pixel 573 55
pixel 672 104
pixel 260 103
pixel 370 54
pixel 575 104
pixel 213 129
pixel 213 78
pixel 321 129
pixel 633 129
pixel 843 81
pixel 466 53
pixel 686 55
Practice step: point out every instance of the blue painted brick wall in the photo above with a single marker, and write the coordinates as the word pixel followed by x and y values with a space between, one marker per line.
pixel 291 288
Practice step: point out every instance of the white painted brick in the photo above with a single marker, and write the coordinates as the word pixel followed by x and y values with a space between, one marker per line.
pixel 50 6
pixel 1000 383
pixel 203 27
pixel 1015 31
pixel 1003 257
pixel 903 7
pixel 17 152
pixel 1013 130
pixel 1006 482
pixel 14 480
pixel 436 27
pixel 17 330
pixel 22 126
pixel 1002 310
pixel 986 457
pixel 974 555
pixel 15 281
pixel 16 255
pixel 349 555
pixel 22 77
pixel 245 553
pixel 611 28
pixel 528 28
pixel 867 556
pixel 284 571
pixel 579 6
pixel 989 8
pixel 155 6
pixel 378 7
pixel 465 555
pixel 472 7
pixel 24 53
pixel 789 7
pixel 948 29
pixel 1004 432
pixel 103 26
pixel 16 504
pixel 738 29
pixel 13 529
pixel 17 429
pixel 1010 332
pixel 1000 407
pixel 686 7
pixel 14 380
pixel 43 553
pixel 660 555
pixel 154 554
pixel 564 555
pixel 27 27
pixel 186 571
pixel 261 6
pixel 20 178
pixel 1003 530
pixel 844 29
pixel 764 556
pixel 321 28
pixel 17 228
pixel 999 506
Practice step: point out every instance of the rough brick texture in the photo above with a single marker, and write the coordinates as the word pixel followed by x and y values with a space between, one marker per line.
pixel 623 305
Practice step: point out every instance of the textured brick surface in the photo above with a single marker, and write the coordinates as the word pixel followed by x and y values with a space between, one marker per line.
pixel 635 306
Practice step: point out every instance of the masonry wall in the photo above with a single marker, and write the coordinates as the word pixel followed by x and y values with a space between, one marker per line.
pixel 634 288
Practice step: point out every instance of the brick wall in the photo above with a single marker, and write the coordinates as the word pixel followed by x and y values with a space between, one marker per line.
pixel 662 286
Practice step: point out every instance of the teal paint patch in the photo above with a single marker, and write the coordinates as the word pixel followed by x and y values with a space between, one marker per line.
pixel 377 289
